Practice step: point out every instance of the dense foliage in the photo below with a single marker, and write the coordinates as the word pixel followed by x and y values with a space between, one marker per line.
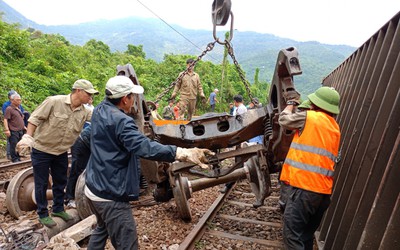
pixel 38 65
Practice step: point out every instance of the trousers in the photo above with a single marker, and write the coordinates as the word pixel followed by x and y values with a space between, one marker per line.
pixel 80 156
pixel 303 214
pixel 114 219
pixel 44 164
pixel 14 139
pixel 189 106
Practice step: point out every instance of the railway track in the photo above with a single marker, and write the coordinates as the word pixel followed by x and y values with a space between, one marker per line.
pixel 9 169
pixel 233 223
pixel 8 165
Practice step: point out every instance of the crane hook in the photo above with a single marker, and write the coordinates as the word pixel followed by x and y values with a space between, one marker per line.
pixel 221 10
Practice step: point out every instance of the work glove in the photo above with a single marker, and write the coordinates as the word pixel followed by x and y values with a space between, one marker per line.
pixel 24 146
pixel 292 97
pixel 293 102
pixel 203 99
pixel 194 155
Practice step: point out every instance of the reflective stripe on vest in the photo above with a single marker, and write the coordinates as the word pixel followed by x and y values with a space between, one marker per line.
pixel 310 168
pixel 311 158
pixel 315 150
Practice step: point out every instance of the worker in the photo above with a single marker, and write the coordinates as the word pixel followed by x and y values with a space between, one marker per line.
pixel 80 152
pixel 168 112
pixel 190 87
pixel 212 99
pixel 309 165
pixel 52 129
pixel 305 105
pixel 113 170
pixel 154 113
pixel 240 108
pixel 14 126
pixel 259 139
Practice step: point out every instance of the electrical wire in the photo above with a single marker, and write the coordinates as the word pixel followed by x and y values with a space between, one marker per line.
pixel 187 39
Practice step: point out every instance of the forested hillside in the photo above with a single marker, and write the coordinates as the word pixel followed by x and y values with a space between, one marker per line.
pixel 38 65
pixel 254 51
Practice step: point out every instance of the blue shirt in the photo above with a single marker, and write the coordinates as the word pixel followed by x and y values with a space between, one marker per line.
pixel 8 103
pixel 258 139
pixel 212 98
pixel 116 144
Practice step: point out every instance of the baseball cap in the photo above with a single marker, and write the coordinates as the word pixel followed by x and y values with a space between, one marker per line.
pixel 216 90
pixel 119 86
pixel 85 85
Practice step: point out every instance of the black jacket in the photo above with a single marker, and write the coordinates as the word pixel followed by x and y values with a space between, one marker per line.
pixel 113 170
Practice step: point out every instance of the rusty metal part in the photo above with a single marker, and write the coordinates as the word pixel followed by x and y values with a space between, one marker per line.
pixel 244 153
pixel 4 185
pixel 259 178
pixel 181 192
pixel 29 238
pixel 81 201
pixel 203 183
pixel 213 131
pixel 20 195
pixel 287 66
pixel 255 170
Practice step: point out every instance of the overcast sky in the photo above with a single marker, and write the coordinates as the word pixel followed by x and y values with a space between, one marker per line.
pixel 349 22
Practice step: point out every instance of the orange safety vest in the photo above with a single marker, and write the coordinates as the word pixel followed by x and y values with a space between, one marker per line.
pixel 310 162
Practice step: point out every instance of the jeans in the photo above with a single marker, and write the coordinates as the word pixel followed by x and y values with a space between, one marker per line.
pixel 14 139
pixel 303 214
pixel 80 156
pixel 114 219
pixel 43 165
pixel 212 107
pixel 8 148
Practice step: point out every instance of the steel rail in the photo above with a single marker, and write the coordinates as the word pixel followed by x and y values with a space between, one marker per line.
pixel 22 164
pixel 200 230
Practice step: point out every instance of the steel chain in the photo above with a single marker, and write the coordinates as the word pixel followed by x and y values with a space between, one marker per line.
pixel 240 71
pixel 209 47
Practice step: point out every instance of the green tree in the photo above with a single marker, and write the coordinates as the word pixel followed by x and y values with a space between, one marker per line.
pixel 136 51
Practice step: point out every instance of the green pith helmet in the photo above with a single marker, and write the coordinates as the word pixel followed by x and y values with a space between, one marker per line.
pixel 305 105
pixel 326 98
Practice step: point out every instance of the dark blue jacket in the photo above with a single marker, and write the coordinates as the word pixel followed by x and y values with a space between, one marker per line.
pixel 84 136
pixel 113 170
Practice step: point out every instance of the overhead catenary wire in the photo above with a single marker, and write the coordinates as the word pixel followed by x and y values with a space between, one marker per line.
pixel 179 33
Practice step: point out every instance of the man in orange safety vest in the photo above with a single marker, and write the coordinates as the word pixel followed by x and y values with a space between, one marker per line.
pixel 308 169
